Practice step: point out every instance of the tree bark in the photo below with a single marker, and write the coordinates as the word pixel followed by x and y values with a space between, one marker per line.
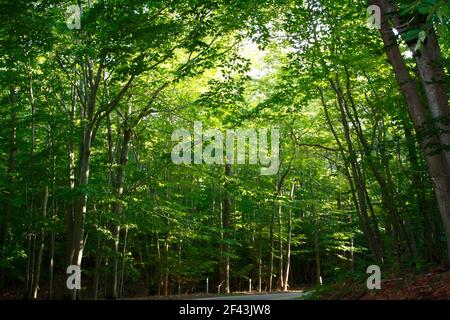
pixel 226 217
pixel 358 182
pixel 260 262
pixel 289 240
pixel 436 162
pixel 280 248
pixel 429 63
pixel 316 247
pixel 9 190
pixel 40 246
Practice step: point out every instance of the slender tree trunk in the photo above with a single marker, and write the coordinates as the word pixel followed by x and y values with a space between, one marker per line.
pixel 98 264
pixel 166 265
pixel 419 189
pixel 70 213
pixel 280 248
pixel 316 247
pixel 158 265
pixel 279 184
pixel 288 246
pixel 54 217
pixel 179 267
pixel 226 218
pixel 124 253
pixel 32 268
pixel 386 186
pixel 358 182
pixel 272 245
pixel 260 262
pixel 52 253
pixel 40 246
pixel 118 181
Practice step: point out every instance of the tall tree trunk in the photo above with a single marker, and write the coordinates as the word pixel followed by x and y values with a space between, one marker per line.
pixel 316 247
pixel 358 182
pixel 278 187
pixel 79 217
pixel 436 162
pixel 179 267
pixel 158 272
pixel 124 253
pixel 272 245
pixel 260 262
pixel 166 265
pixel 9 190
pixel 280 248
pixel 226 218
pixel 386 186
pixel 289 240
pixel 118 182
pixel 37 272
pixel 54 218
pixel 70 212
pixel 419 189
pixel 429 63
pixel 98 264
pixel 75 218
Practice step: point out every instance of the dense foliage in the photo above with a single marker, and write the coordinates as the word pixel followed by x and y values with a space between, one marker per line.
pixel 88 115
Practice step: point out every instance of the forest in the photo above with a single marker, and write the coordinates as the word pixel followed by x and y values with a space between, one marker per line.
pixel 183 147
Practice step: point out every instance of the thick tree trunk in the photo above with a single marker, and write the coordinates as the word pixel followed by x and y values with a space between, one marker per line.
pixel 9 190
pixel 430 66
pixel 429 63
pixel 79 217
pixel 118 184
pixel 436 162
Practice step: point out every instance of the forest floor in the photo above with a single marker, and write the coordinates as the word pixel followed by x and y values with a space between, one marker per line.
pixel 281 295
pixel 431 284
pixel 434 284
pixel 268 296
